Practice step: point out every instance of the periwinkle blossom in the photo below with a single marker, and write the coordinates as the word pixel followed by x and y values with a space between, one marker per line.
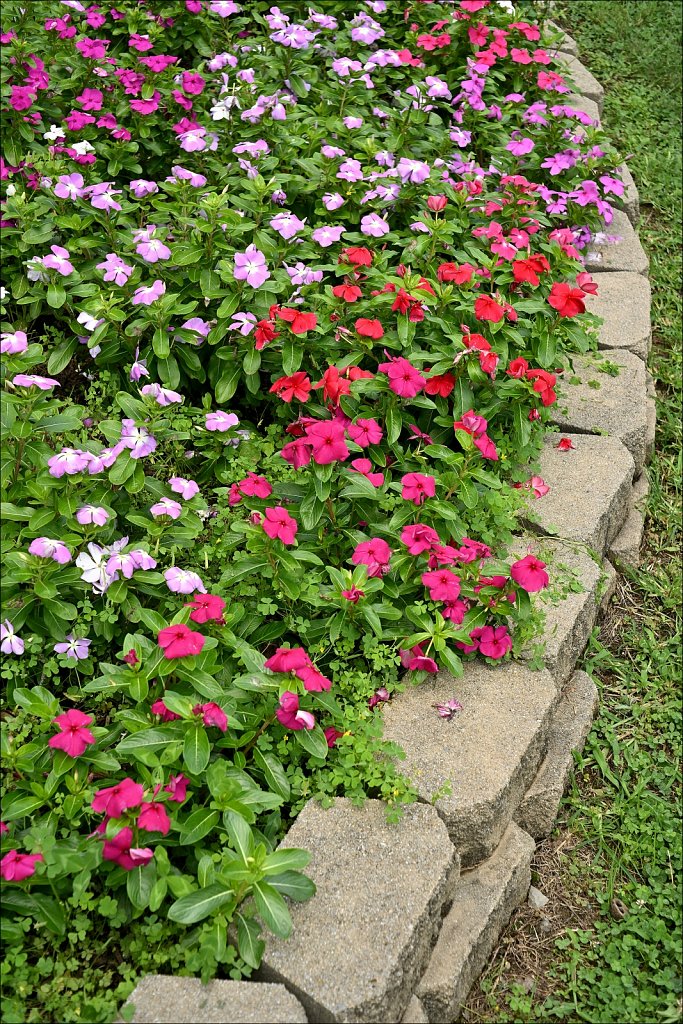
pixel 333 201
pixel 162 396
pixel 127 562
pixel 139 367
pixel 34 380
pixel 520 147
pixel 301 274
pixel 58 260
pixel 148 294
pixel 327 236
pixel 414 171
pixel 92 515
pixel 88 321
pixel 287 224
pixel 220 421
pixel 166 507
pixel 140 188
pixel 353 122
pixel 224 8
pixel 374 226
pixel 350 170
pixel 69 186
pixel 115 269
pixel 76 649
pixel 46 547
pixel 331 152
pixel 250 266
pixel 137 439
pixel 298 37
pixel 10 643
pixel 243 322
pixel 68 462
pixel 102 197
pixel 187 489
pixel 183 581
pixel 13 344
pixel 153 250
pixel 180 173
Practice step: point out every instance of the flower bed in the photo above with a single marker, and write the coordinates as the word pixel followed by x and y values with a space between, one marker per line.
pixel 286 299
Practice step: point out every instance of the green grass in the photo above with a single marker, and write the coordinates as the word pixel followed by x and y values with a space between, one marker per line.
pixel 619 833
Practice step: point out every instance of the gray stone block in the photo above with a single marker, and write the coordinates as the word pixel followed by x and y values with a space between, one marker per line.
pixel 625 548
pixel 594 402
pixel 484 902
pixel 630 198
pixel 487 754
pixel 584 103
pixel 571 614
pixel 415 1013
pixel 651 417
pixel 608 587
pixel 584 83
pixel 625 254
pixel 162 999
pixel 360 945
pixel 567 44
pixel 571 724
pixel 623 301
pixel 589 490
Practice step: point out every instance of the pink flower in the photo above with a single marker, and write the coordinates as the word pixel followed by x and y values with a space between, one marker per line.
pixel 74 736
pixel 116 270
pixel 59 260
pixel 43 547
pixel 187 489
pixel 279 525
pixel 221 421
pixel 114 800
pixel 416 661
pixel 34 380
pixel 486 447
pixel 250 266
pixel 120 851
pixel 332 735
pixel 419 538
pixel 148 294
pixel 375 554
pixel 443 585
pixel 404 379
pixel 365 432
pixel 152 250
pixel 159 708
pixel 15 867
pixel 417 487
pixel 207 608
pixel 530 574
pixel 183 581
pixel 327 441
pixel 177 787
pixel 180 641
pixel 494 642
pixel 313 680
pixel 253 486
pixel 289 715
pixel 192 83
pixel 167 507
pixel 448 709
pixel 13 344
pixel 364 467
pixel 153 817
pixel 288 659
pixel 353 595
pixel 378 696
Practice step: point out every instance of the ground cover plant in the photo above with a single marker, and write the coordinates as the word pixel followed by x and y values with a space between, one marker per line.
pixel 287 297
pixel 610 947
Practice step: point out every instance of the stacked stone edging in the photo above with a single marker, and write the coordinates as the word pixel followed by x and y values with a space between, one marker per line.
pixel 395 932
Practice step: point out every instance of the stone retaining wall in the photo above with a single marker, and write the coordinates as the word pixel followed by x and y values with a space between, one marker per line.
pixel 406 915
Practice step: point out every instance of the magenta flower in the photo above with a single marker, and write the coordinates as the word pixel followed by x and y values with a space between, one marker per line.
pixel 365 432
pixel 44 547
pixel 442 584
pixel 288 659
pixel 183 581
pixel 379 696
pixel 250 266
pixel 530 574
pixel 114 800
pixel 180 641
pixel 13 344
pixel 221 421
pixel 449 709
pixel 279 525
pixel 289 715
pixel 419 538
pixel 494 642
pixel 416 661
pixel 212 714
pixel 68 462
pixel 73 648
pixel 16 867
pixel 120 851
pixel 10 643
pixel 92 515
pixel 33 380
pixel 167 507
pixel 153 817
pixel 328 235
pixel 404 379
pixel 417 487
pixel 74 735
pixel 185 488
pixel 177 787
pixel 375 554
pixel 364 467
pixel 353 595
pixel 327 440
pixel 115 269
pixel 148 294
pixel 520 147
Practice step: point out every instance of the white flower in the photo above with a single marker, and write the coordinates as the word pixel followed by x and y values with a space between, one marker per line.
pixel 54 133
pixel 81 148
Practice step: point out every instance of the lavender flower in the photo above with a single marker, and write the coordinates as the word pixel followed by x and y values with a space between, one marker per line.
pixel 167 507
pixel 148 294
pixel 250 266
pixel 45 547
pixel 162 396
pixel 10 643
pixel 92 515
pixel 221 421
pixel 327 236
pixel 115 269
pixel 187 489
pixel 182 581
pixel 73 648
pixel 13 344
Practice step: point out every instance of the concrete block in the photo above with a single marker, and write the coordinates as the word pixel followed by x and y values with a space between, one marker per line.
pixel 566 44
pixel 415 1013
pixel 162 999
pixel 651 417
pixel 572 722
pixel 594 402
pixel 577 75
pixel 625 548
pixel 589 490
pixel 630 198
pixel 485 900
pixel 486 755
pixel 623 301
pixel 624 254
pixel 359 947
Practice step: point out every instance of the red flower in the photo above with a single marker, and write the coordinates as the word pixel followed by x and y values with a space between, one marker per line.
pixel 264 333
pixel 586 283
pixel 544 383
pixel 288 659
pixel 347 292
pixel 517 367
pixel 359 256
pixel 333 385
pixel 299 323
pixel 527 271
pixel 212 714
pixel 565 444
pixel 566 300
pixel 369 328
pixel 453 272
pixel 279 525
pixel 486 308
pixel 295 386
pixel 437 203
pixel 131 657
pixel 442 384
pixel 332 735
pixel 207 607
pixel 74 736
pixel 154 818
pixel 402 302
pixel 180 641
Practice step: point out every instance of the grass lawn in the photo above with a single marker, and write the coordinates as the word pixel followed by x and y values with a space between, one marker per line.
pixel 607 948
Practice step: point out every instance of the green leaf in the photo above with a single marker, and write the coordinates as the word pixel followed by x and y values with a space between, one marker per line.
pixel 285 860
pixel 196 749
pixel 240 834
pixel 298 87
pixel 393 423
pixel 139 884
pixel 251 361
pixel 251 947
pixel 51 912
pixel 59 358
pixel 183 257
pixel 276 777
pixel 56 296
pixel 226 385
pixel 546 350
pixel 198 905
pixel 313 740
pixel 161 343
pixel 292 355
pixel 198 825
pixel 272 909
pixel 294 885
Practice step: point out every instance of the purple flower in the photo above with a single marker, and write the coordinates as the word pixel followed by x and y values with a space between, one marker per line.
pixel 115 269
pixel 167 507
pixel 332 201
pixel 448 709
pixel 45 547
pixel 415 171
pixel 102 196
pixel 353 122
pixel 287 224
pixel 68 462
pixel 243 322
pixel 278 197
pixel 153 250
pixel 301 274
pixel 140 187
pixel 185 488
pixel 199 326
pixel 460 137
pixel 72 648
pixel 343 66
pixel 69 186
pixel 182 174
pixel 148 294
pixel 92 515
pixel 13 344
pixel 374 226
pixel 162 396
pixel 32 380
pixel 59 261
pixel 250 266
pixel 223 8
pixel 520 147
pixel 137 439
pixel 182 581
pixel 221 421
pixel 128 562
pixel 331 152
pixel 350 170
pixel 139 368
pixel 328 235
pixel 10 643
